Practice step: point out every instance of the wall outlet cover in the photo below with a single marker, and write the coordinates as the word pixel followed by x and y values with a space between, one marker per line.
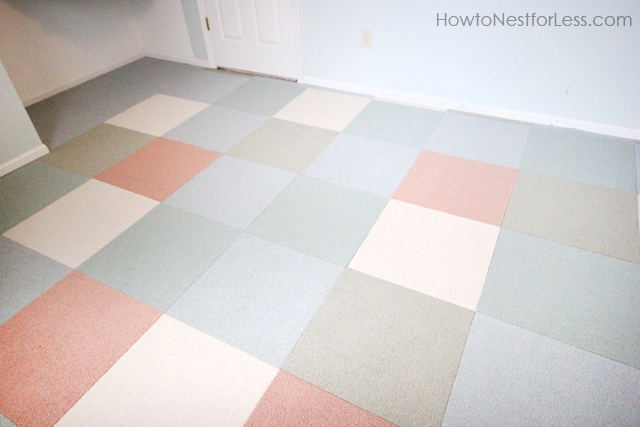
pixel 367 38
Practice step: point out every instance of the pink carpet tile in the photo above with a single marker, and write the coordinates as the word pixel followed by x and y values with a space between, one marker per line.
pixel 292 402
pixel 158 169
pixel 58 346
pixel 462 187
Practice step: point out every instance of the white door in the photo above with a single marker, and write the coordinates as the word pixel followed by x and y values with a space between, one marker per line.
pixel 254 35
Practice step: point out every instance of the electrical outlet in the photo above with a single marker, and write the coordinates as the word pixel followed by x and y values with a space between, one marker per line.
pixel 367 36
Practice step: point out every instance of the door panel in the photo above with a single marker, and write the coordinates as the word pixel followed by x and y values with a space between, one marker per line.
pixel 266 12
pixel 230 19
pixel 254 35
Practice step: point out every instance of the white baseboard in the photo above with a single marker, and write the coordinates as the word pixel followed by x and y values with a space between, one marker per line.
pixel 75 82
pixel 23 159
pixel 190 61
pixel 485 110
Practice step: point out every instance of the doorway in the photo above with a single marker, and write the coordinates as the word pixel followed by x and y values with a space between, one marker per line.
pixel 256 36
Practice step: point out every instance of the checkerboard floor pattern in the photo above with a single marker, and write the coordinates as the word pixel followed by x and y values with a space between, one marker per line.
pixel 208 248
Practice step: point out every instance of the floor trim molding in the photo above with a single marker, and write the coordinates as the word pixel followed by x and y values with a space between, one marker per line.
pixel 466 107
pixel 190 61
pixel 23 159
pixel 75 82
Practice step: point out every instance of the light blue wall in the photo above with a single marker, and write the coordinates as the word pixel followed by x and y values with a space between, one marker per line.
pixel 192 17
pixel 17 134
pixel 523 69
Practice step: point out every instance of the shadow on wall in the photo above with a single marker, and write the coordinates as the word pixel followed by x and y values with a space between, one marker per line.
pixel 47 45
pixel 76 19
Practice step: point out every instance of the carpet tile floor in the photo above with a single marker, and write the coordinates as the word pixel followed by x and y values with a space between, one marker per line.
pixel 215 249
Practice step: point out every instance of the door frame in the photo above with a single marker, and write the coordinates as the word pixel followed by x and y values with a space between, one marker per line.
pixel 202 12
pixel 297 36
